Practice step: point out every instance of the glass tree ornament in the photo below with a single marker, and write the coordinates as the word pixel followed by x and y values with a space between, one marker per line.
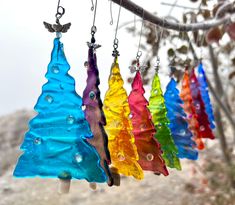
pixel 148 148
pixel 190 111
pixel 205 94
pixel 94 113
pixel 158 110
pixel 179 127
pixel 202 118
pixel 121 143
pixel 56 143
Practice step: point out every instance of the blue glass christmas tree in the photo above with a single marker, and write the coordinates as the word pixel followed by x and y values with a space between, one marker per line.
pixel 179 127
pixel 205 95
pixel 56 143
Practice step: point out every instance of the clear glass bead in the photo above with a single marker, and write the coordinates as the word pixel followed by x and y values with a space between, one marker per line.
pixel 149 157
pixel 121 157
pixel 92 95
pixel 78 157
pixel 70 119
pixel 49 99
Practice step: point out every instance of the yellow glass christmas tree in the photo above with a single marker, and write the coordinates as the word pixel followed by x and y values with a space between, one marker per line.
pixel 121 141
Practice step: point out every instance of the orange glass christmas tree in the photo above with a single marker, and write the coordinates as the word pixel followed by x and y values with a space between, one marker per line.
pixel 189 109
pixel 148 147
pixel 121 143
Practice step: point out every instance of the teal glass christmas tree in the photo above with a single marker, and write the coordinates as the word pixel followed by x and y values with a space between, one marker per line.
pixel 56 143
pixel 205 95
pixel 179 127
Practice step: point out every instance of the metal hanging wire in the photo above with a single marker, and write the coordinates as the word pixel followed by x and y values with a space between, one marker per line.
pixel 137 66
pixel 157 64
pixel 92 5
pixel 139 52
pixel 115 42
pixel 111 12
pixel 93 28
pixel 94 9
pixel 60 11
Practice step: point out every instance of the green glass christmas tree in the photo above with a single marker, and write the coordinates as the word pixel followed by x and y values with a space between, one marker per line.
pixel 159 113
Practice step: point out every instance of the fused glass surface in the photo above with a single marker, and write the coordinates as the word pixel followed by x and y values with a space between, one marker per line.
pixel 94 113
pixel 158 110
pixel 121 144
pixel 179 127
pixel 205 95
pixel 204 124
pixel 56 145
pixel 148 148
pixel 189 109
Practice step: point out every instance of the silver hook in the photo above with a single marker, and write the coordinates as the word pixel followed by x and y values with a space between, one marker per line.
pixel 60 11
pixel 92 5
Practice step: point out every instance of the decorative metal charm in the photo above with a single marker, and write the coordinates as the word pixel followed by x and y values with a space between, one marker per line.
pixel 137 67
pixel 157 64
pixel 115 47
pixel 57 27
pixel 94 46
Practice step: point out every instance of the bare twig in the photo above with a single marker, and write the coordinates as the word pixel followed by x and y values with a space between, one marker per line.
pixel 178 6
pixel 139 11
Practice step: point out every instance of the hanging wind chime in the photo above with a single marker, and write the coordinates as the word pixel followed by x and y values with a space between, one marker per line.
pixel 56 144
pixel 159 113
pixel 205 95
pixel 93 105
pixel 121 144
pixel 202 118
pixel 178 125
pixel 190 111
pixel 149 150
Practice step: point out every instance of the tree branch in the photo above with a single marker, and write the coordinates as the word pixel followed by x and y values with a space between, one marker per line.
pixel 146 15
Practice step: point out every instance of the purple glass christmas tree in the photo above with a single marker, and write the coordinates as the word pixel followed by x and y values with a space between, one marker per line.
pixel 94 113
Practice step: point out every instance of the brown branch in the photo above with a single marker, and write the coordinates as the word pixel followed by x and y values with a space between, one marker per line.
pixel 146 15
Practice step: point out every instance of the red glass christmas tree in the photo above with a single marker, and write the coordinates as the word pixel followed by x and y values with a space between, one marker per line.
pixel 148 148
pixel 204 124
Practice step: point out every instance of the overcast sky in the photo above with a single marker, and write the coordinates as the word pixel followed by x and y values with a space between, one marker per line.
pixel 25 46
